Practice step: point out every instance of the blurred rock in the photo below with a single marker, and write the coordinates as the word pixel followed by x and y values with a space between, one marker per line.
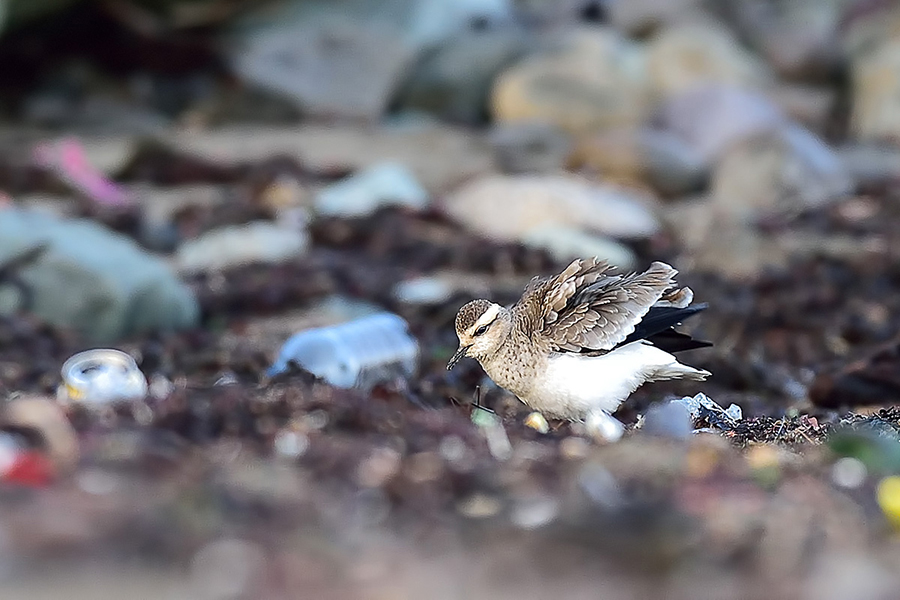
pixel 434 22
pixel 720 244
pixel 509 207
pixel 845 573
pixel 715 240
pixel 438 287
pixel 347 59
pixel 658 158
pixel 454 82
pixel 871 165
pixel 639 16
pixel 810 106
pixel 91 279
pixel 160 208
pixel 711 118
pixel 876 94
pixel 256 242
pixel 799 38
pixel 563 14
pixel 453 155
pixel 533 147
pixel 566 243
pixel 684 56
pixel 866 26
pixel 870 380
pixel 595 79
pixel 330 69
pixel 382 184
pixel 227 568
pixel 784 170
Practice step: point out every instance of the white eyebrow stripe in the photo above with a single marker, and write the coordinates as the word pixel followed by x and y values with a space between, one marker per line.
pixel 488 316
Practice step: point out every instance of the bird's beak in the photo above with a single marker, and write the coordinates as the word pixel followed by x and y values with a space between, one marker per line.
pixel 460 352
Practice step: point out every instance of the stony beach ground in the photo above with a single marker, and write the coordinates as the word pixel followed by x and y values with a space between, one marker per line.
pixel 230 205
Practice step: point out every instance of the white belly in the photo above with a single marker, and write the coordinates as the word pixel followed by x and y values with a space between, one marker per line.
pixel 574 384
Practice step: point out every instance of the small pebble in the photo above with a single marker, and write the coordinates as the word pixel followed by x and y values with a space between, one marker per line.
pixel 291 444
pixel 849 473
pixel 453 448
pixel 600 485
pixel 480 506
pixel 532 513
pixel 424 467
pixel 316 419
pixel 97 482
pixel 574 448
pixel 226 568
pixel 603 427
pixel 378 468
pixel 537 422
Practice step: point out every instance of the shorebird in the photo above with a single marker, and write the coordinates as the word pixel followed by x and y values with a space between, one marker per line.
pixel 584 340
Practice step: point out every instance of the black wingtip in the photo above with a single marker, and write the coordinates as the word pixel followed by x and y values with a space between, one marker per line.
pixel 656 327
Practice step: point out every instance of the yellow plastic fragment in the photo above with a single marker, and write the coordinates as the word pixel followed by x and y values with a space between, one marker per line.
pixel 888 495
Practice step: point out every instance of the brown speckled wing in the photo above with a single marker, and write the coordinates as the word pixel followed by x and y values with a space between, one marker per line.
pixel 586 308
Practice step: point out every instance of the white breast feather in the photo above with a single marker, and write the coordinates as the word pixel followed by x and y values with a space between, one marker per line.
pixel 575 384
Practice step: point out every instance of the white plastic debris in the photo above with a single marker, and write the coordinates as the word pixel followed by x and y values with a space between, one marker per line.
pixel 359 353
pixel 492 427
pixel 668 419
pixel 702 406
pixel 102 376
pixel 600 485
pixel 603 427
pixel 734 412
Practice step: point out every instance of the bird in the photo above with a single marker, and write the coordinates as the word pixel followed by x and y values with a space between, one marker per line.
pixel 582 341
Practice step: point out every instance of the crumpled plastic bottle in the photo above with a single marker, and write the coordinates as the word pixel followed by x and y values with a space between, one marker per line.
pixel 360 353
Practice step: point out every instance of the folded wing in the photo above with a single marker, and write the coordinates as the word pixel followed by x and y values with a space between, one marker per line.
pixel 585 308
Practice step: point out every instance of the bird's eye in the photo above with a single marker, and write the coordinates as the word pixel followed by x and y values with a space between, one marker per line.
pixel 481 330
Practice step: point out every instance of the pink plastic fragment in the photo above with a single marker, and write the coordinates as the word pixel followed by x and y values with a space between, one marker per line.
pixel 68 160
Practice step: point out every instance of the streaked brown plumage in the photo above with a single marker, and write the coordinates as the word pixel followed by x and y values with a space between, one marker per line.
pixel 564 347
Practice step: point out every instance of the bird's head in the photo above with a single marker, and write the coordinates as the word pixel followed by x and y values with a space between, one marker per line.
pixel 481 327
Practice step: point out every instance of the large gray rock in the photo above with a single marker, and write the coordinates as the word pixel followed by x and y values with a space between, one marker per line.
pixel 592 79
pixel 454 81
pixel 258 242
pixel 711 118
pixel 509 208
pixel 799 38
pixel 91 279
pixel 347 58
pixel 782 171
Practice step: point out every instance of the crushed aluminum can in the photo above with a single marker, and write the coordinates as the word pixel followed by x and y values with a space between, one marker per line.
pixel 102 376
